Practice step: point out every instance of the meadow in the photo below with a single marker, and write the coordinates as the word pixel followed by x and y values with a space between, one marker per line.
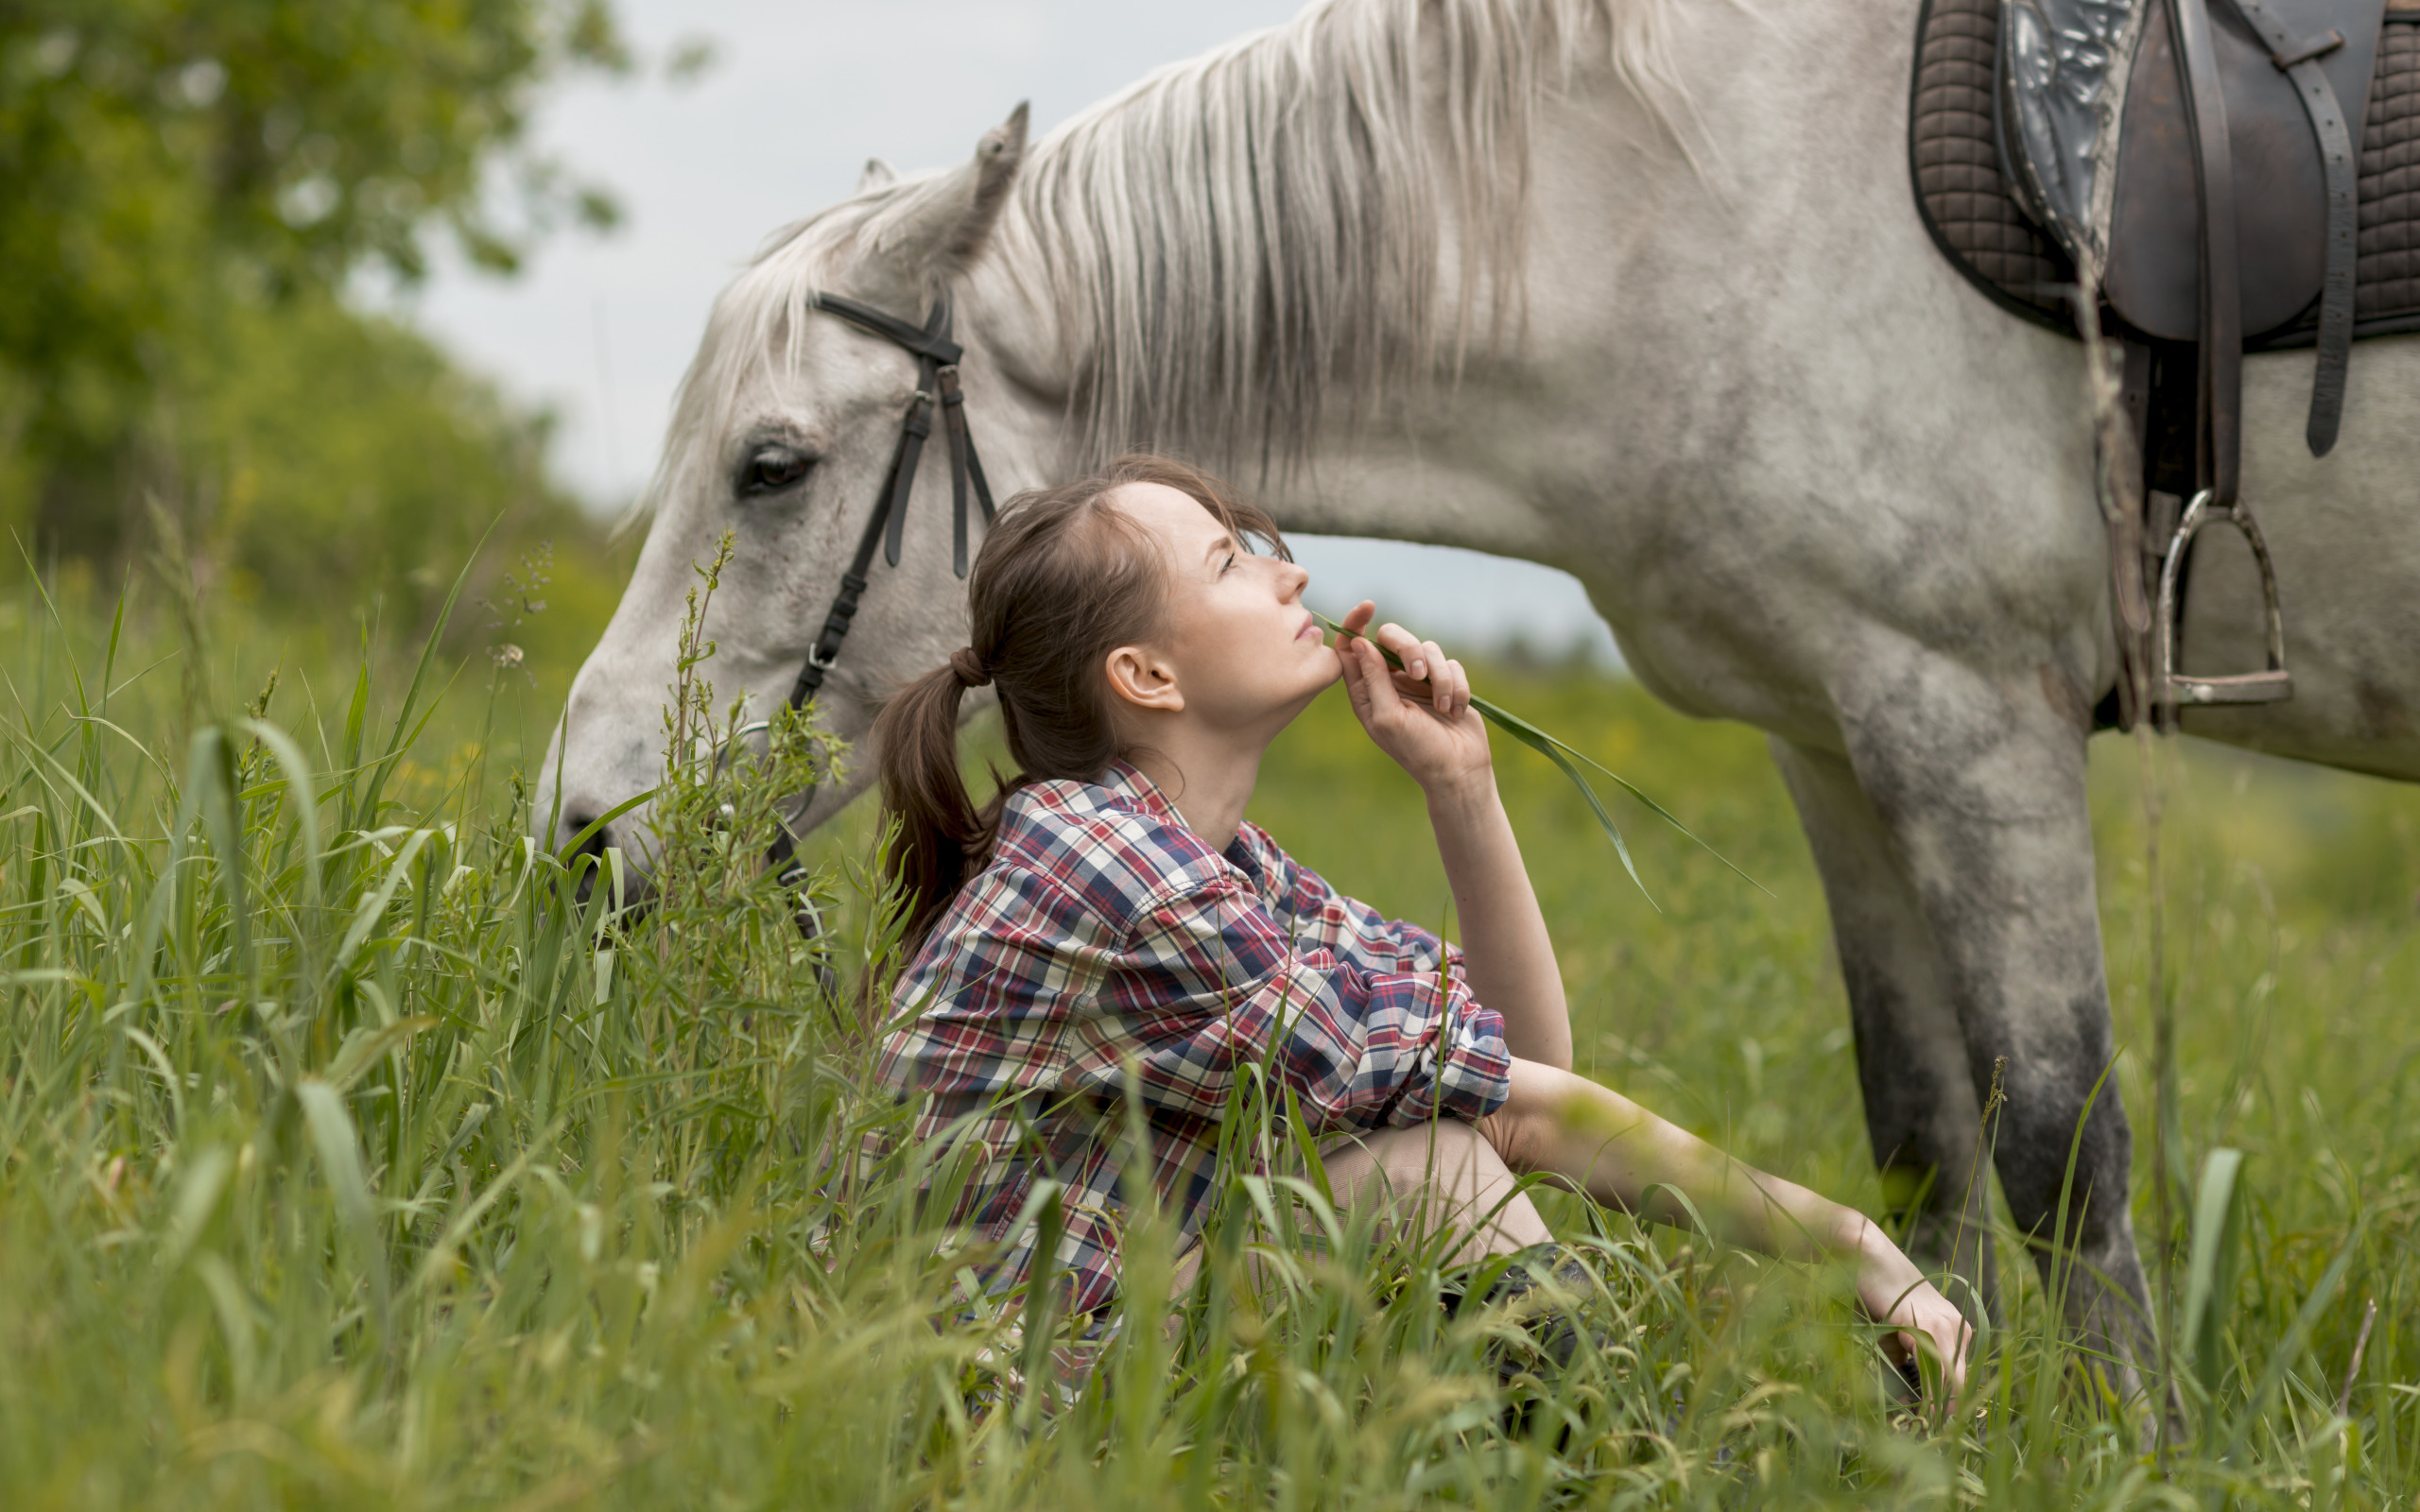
pixel 355 1152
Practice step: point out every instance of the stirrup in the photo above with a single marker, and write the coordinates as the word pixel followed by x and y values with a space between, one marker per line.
pixel 2174 690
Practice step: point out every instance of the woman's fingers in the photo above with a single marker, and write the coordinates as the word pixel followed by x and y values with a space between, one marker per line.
pixel 1431 662
pixel 1407 648
pixel 1450 687
pixel 1426 674
pixel 1365 674
pixel 1357 618
pixel 1922 1322
pixel 1937 1328
pixel 1383 702
pixel 1348 656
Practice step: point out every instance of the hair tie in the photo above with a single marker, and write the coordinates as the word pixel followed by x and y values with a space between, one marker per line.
pixel 969 668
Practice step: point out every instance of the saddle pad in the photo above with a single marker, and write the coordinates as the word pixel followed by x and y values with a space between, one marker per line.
pixel 1954 156
pixel 2390 267
pixel 1972 213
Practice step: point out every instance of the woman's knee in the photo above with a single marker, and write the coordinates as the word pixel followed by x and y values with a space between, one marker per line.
pixel 1511 1135
pixel 1402 1164
pixel 1445 1173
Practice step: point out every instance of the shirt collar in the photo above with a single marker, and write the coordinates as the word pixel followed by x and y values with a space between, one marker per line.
pixel 1126 780
pixel 1129 781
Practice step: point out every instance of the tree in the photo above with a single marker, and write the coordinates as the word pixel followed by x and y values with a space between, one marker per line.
pixel 181 179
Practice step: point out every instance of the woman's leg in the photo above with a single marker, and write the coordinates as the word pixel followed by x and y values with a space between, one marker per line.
pixel 1441 1174
pixel 1436 1175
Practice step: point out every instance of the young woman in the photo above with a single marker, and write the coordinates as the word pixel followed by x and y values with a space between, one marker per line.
pixel 1110 920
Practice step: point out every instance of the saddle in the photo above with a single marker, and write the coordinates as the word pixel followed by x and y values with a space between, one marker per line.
pixel 2196 179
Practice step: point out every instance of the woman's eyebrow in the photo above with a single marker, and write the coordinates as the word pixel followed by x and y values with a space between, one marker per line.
pixel 1225 542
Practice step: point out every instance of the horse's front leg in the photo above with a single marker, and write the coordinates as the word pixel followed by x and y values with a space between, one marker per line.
pixel 1977 783
pixel 1913 1066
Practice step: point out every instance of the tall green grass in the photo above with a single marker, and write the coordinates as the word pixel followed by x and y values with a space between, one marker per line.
pixel 356 1152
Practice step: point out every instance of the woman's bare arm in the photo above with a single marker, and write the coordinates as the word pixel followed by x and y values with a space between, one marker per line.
pixel 1507 955
pixel 1555 1122
pixel 1598 1141
pixel 1421 717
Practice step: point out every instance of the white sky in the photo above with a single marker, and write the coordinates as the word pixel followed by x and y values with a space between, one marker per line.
pixel 802 92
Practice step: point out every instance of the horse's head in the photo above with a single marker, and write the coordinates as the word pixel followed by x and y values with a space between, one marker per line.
pixel 783 436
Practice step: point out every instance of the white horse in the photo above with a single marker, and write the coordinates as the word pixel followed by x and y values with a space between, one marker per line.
pixel 1635 288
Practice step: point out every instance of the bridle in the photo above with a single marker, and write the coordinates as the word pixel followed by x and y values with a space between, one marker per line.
pixel 937 358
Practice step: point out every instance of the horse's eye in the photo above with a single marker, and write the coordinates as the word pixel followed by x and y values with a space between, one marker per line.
pixel 773 469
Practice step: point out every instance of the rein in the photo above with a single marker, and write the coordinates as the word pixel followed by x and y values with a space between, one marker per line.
pixel 937 358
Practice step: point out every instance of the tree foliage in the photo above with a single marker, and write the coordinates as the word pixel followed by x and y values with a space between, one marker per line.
pixel 188 186
pixel 313 457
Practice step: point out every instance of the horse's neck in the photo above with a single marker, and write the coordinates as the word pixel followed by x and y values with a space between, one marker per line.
pixel 1659 235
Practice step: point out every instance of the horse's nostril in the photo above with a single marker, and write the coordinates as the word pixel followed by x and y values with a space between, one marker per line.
pixel 577 824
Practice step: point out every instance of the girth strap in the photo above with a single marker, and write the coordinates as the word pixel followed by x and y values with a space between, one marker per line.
pixel 2298 59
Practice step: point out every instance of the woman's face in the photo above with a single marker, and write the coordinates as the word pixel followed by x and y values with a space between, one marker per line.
pixel 1241 651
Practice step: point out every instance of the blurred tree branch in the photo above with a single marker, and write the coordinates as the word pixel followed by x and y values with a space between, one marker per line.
pixel 173 170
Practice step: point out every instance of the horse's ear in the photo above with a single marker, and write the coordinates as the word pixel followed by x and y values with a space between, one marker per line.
pixel 943 224
pixel 878 175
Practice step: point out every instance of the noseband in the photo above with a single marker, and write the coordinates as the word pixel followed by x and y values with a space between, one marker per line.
pixel 936 357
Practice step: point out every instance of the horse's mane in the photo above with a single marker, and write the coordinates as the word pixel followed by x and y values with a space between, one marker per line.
pixel 1236 241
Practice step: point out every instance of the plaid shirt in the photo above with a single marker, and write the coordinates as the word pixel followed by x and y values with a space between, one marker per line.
pixel 1105 934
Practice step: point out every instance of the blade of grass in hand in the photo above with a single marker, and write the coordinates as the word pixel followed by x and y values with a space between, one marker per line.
pixel 1565 756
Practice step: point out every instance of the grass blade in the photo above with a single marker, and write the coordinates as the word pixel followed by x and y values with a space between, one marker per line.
pixel 406 731
pixel 2211 1274
pixel 1565 756
pixel 340 1151
pixel 2289 1349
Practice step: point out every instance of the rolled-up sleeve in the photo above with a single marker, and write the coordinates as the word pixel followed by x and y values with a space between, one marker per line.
pixel 1209 981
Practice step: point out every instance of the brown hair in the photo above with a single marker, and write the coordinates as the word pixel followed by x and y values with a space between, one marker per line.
pixel 1064 578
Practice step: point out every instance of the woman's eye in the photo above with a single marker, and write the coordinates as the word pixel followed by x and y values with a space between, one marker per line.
pixel 772 470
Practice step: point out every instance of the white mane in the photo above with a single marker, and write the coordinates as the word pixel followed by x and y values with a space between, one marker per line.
pixel 1237 241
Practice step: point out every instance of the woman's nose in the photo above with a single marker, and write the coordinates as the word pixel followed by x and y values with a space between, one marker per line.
pixel 1293 578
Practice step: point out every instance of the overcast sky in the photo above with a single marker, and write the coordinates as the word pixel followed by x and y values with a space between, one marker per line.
pixel 799 95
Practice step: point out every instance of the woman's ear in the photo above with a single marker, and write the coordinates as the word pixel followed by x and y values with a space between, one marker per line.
pixel 1140 679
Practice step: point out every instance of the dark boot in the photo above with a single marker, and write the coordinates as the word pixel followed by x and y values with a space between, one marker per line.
pixel 1547 1317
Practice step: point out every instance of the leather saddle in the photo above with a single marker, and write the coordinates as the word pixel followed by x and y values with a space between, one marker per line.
pixel 2190 177
pixel 2197 159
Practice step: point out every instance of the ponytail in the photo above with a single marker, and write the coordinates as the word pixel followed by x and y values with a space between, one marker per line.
pixel 940 830
pixel 1064 578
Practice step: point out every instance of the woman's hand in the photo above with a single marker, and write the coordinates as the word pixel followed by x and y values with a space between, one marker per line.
pixel 1421 717
pixel 1891 1290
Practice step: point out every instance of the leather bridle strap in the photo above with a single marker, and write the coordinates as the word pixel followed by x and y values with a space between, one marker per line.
pixel 2298 58
pixel 937 358
pixel 2218 449
pixel 937 385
